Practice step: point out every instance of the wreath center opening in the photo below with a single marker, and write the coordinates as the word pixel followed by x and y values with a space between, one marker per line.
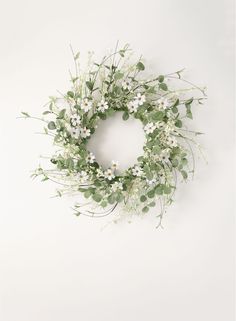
pixel 117 140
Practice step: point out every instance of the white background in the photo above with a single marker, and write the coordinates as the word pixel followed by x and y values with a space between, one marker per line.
pixel 57 267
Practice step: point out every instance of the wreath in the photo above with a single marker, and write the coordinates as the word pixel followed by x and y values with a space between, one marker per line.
pixel 115 85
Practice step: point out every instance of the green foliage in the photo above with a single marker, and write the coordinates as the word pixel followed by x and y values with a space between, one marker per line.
pixel 51 125
pixel 140 66
pixel 152 102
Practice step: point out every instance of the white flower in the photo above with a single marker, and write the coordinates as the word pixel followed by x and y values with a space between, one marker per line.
pixel 160 124
pixel 137 171
pixel 75 132
pixel 126 84
pixel 83 177
pixel 86 105
pixel 99 172
pixel 117 186
pixel 114 165
pixel 171 141
pixel 85 132
pixel 170 126
pixel 102 106
pixel 151 181
pixel 161 176
pixel 90 158
pixel 164 156
pixel 75 120
pixel 140 99
pixel 109 174
pixel 149 128
pixel 132 106
pixel 163 103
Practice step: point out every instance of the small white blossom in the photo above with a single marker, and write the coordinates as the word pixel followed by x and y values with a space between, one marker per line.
pixel 149 128
pixel 171 141
pixel 83 177
pixel 126 84
pixel 99 172
pixel 75 132
pixel 132 106
pixel 109 174
pixel 164 156
pixel 117 186
pixel 102 106
pixel 85 132
pixel 137 171
pixel 114 165
pixel 151 181
pixel 163 103
pixel 170 126
pixel 75 120
pixel 90 158
pixel 160 124
pixel 86 105
pixel 140 99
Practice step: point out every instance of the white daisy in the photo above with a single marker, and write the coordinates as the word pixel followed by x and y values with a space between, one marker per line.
pixel 140 99
pixel 75 120
pixel 86 105
pixel 137 171
pixel 85 132
pixel 163 103
pixel 114 165
pixel 117 186
pixel 149 128
pixel 83 177
pixel 126 84
pixel 75 132
pixel 160 124
pixel 102 106
pixel 164 156
pixel 171 141
pixel 132 106
pixel 90 158
pixel 109 174
pixel 151 181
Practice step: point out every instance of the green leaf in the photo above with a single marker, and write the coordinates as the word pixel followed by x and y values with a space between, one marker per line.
pixel 188 111
pixel 51 125
pixel 143 198
pixel 178 123
pixel 122 52
pixel 70 94
pixel 111 199
pixel 152 204
pixel 145 209
pixel 189 101
pixel 87 194
pixel 163 86
pixel 159 190
pixel 125 115
pixel 151 193
pixel 97 197
pixel 184 174
pixel 140 66
pixel 118 75
pixel 167 189
pixel 90 85
pixel 62 114
pixel 47 112
pixel 25 114
pixel 161 78
pixel 156 116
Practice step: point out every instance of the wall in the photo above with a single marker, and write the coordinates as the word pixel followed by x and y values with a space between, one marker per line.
pixel 55 266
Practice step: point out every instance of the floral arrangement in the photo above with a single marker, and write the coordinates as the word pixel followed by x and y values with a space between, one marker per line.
pixel 116 85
